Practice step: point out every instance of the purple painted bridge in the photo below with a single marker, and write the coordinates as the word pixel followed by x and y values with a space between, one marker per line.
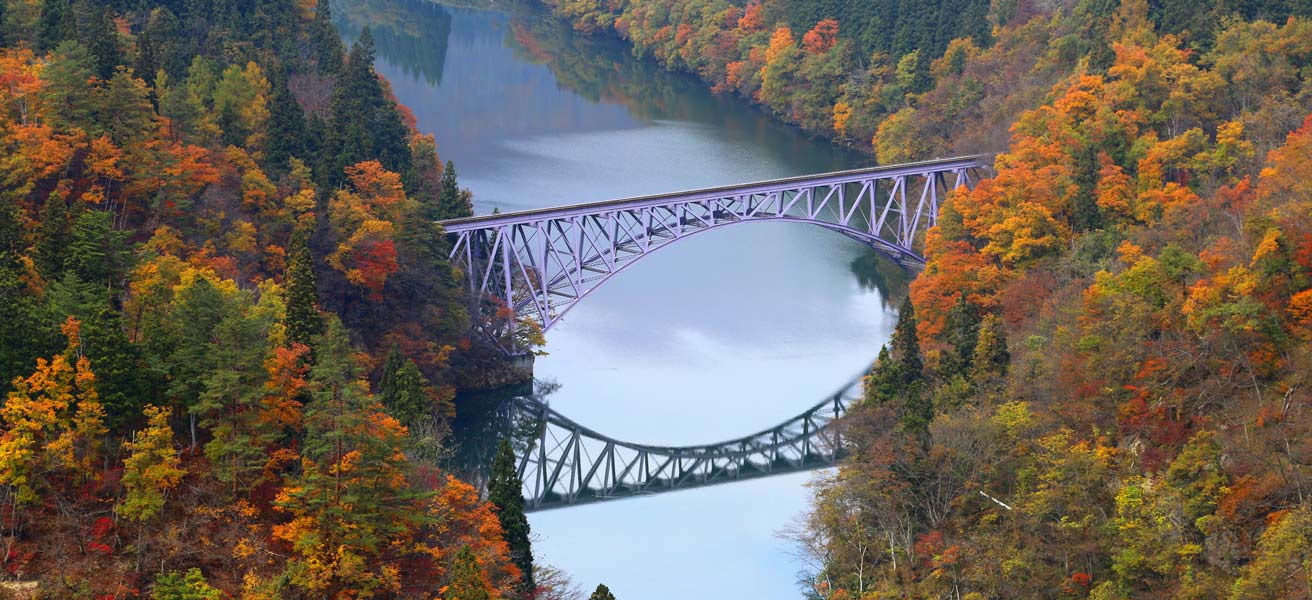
pixel 538 264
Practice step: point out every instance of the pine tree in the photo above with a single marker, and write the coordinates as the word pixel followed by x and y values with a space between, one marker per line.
pixel 122 374
pixel 506 491
pixel 23 335
pixel 179 586
pixel 55 25
pixel 906 346
pixel 467 579
pixel 147 64
pixel 962 335
pixel 96 251
pixel 882 384
pixel 402 389
pixel 96 31
pixel 353 496
pixel 601 593
pixel 325 39
pixel 365 124
pixel 903 377
pixel 452 202
pixel 304 323
pixel 53 240
pixel 287 129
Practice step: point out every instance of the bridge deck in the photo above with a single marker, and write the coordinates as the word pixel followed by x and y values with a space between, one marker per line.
pixel 588 208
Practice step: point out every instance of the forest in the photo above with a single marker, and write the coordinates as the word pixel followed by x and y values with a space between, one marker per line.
pixel 230 342
pixel 1097 387
pixel 230 339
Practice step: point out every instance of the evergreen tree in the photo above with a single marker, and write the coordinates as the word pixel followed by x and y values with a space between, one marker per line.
pixel 286 128
pixel 403 389
pixel 452 202
pixel 122 375
pixel 327 43
pixel 601 593
pixel 52 242
pixel 364 123
pixel 97 252
pixel 199 308
pixel 906 346
pixel 467 579
pixel 882 384
pixel 147 64
pixel 506 491
pixel 352 498
pixel 96 31
pixel 23 334
pixel 55 24
pixel 898 376
pixel 962 335
pixel 304 323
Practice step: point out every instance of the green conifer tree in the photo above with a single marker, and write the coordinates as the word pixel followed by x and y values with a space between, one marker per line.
pixel 96 31
pixel 325 39
pixel 962 335
pixel 906 346
pixel 122 375
pixel 403 389
pixel 179 586
pixel 304 322
pixel 601 593
pixel 452 202
pixel 506 491
pixel 906 381
pixel 287 129
pixel 96 251
pixel 53 239
pixel 23 336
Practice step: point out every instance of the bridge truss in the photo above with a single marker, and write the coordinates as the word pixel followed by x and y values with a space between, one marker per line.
pixel 540 263
pixel 563 463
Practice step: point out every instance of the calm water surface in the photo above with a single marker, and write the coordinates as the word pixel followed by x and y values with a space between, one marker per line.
pixel 724 334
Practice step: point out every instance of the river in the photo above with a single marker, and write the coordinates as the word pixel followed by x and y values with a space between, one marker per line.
pixel 721 335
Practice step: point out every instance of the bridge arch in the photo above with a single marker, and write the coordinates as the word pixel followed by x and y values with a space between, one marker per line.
pixel 540 263
pixel 563 463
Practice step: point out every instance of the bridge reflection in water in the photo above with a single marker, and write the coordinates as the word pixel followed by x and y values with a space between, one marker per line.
pixel 564 463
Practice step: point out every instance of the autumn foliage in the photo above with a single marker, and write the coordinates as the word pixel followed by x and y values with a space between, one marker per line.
pixel 198 278
pixel 1142 247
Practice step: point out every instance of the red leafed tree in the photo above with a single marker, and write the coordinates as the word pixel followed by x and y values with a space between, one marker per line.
pixel 822 37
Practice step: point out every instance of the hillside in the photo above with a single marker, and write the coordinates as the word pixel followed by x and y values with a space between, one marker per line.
pixel 1097 388
pixel 227 323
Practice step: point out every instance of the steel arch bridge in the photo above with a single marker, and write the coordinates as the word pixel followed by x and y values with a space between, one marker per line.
pixel 541 263
pixel 563 463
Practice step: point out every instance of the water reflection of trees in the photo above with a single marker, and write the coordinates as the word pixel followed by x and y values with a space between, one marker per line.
pixel 485 419
pixel 602 70
pixel 876 272
pixel 411 34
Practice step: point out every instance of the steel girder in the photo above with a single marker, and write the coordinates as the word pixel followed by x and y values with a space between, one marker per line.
pixel 540 263
pixel 563 463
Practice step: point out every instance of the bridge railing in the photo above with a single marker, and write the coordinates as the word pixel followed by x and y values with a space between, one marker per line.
pixel 972 162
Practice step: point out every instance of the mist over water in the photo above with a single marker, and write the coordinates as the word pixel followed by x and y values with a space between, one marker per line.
pixel 723 334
